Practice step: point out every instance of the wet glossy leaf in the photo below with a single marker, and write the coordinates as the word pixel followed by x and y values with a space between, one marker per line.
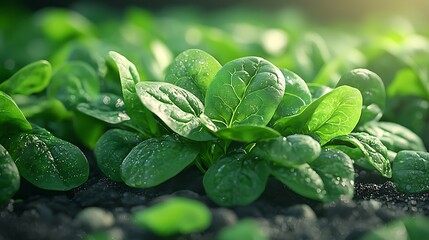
pixel 176 107
pixel 46 161
pixel 334 114
pixel 11 117
pixel 156 160
pixel 410 171
pixel 30 79
pixel 111 150
pixel 245 91
pixel 107 107
pixel 247 133
pixel 370 148
pixel 73 83
pixel 9 176
pixel 225 175
pixel 290 151
pixel 174 216
pixel 138 113
pixel 301 179
pixel 372 89
pixel 394 136
pixel 193 70
pixel 328 178
pixel 296 96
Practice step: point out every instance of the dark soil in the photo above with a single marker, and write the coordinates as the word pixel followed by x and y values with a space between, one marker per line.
pixel 103 205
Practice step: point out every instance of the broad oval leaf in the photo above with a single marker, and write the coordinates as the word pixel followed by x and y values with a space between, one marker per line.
pixel 174 216
pixel 193 70
pixel 11 117
pixel 247 133
pixel 236 180
pixel 290 151
pixel 394 136
pixel 73 83
pixel 245 91
pixel 372 89
pixel 107 107
pixel 156 160
pixel 328 178
pixel 296 96
pixel 242 230
pixel 176 107
pixel 410 171
pixel 9 176
pixel 112 148
pixel 334 114
pixel 139 114
pixel 46 161
pixel 372 150
pixel 301 179
pixel 30 79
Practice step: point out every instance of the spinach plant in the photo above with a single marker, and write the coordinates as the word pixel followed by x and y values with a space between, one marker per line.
pixel 234 123
pixel 29 151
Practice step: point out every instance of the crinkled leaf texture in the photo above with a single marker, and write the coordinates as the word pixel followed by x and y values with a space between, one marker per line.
pixel 328 178
pixel 46 161
pixel 236 179
pixel 156 160
pixel 371 148
pixel 334 114
pixel 9 176
pixel 140 116
pixel 176 107
pixel 394 136
pixel 193 70
pixel 245 91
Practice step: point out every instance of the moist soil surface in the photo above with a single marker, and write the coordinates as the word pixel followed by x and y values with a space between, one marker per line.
pixel 103 205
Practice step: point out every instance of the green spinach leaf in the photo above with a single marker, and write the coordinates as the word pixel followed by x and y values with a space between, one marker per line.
pixel 329 177
pixel 245 91
pixel 138 113
pixel 156 160
pixel 410 171
pixel 11 117
pixel 107 107
pixel 334 114
pixel 73 83
pixel 372 89
pixel 46 161
pixel 247 133
pixel 394 136
pixel 9 176
pixel 111 150
pixel 247 229
pixel 236 179
pixel 290 151
pixel 30 79
pixel 295 97
pixel 193 70
pixel 371 148
pixel 174 216
pixel 176 107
